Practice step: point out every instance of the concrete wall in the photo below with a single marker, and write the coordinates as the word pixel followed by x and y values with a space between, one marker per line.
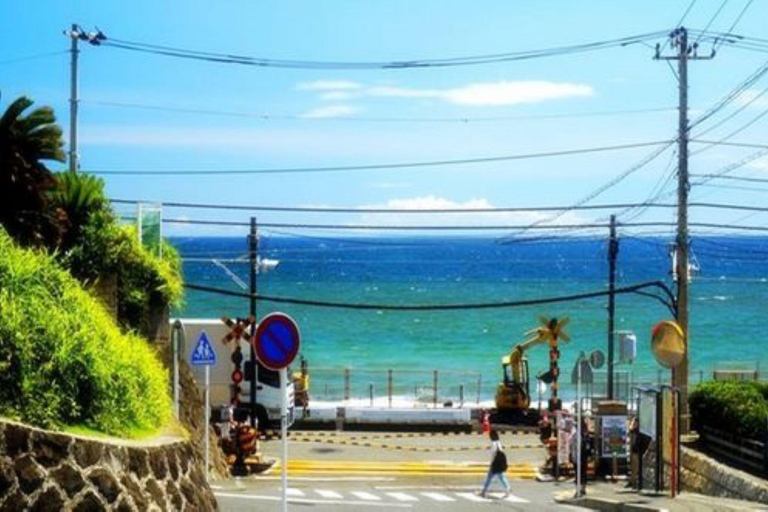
pixel 42 470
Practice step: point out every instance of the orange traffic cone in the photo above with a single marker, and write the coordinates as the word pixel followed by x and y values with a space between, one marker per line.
pixel 486 422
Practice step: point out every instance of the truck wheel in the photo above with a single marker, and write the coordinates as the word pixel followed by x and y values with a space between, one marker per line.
pixel 262 418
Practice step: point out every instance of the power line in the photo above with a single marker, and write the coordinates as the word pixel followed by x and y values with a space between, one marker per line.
pixel 400 227
pixel 614 181
pixel 32 57
pixel 738 18
pixel 712 20
pixel 457 120
pixel 503 209
pixel 314 209
pixel 734 178
pixel 368 167
pixel 753 145
pixel 685 14
pixel 436 307
pixel 225 58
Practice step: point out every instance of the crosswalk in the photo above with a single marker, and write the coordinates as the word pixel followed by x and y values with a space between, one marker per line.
pixel 374 496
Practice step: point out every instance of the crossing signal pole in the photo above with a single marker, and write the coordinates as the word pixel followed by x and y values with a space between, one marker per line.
pixel 253 247
pixel 613 251
pixel 685 52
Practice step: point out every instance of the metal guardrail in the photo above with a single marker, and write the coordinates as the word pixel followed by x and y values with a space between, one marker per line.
pixel 746 452
pixel 386 387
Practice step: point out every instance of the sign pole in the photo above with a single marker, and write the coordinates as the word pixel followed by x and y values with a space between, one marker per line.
pixel 284 435
pixel 175 341
pixel 207 420
pixel 579 462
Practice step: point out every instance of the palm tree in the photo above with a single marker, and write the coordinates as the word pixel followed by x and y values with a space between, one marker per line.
pixel 76 197
pixel 25 142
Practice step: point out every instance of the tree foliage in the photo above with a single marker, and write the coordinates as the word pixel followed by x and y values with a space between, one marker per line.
pixel 26 142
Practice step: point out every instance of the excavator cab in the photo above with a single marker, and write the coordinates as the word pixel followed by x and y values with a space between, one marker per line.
pixel 513 392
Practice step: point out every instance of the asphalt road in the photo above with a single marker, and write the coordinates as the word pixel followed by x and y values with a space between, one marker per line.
pixel 378 493
pixel 346 470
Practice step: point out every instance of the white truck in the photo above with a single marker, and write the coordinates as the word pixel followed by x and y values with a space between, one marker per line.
pixel 267 406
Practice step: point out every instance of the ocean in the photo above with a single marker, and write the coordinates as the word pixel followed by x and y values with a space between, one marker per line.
pixel 728 300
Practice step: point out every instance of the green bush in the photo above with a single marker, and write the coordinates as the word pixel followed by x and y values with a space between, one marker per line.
pixel 63 361
pixel 740 408
pixel 144 281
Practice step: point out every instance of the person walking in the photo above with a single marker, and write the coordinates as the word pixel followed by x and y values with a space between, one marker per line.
pixel 498 465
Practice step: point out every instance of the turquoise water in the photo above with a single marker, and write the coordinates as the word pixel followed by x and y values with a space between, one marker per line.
pixel 727 307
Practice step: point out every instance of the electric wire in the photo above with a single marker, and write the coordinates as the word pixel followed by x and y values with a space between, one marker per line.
pixel 226 58
pixel 456 120
pixel 432 307
pixel 369 167
pixel 712 19
pixel 438 227
pixel 331 209
pixel 32 57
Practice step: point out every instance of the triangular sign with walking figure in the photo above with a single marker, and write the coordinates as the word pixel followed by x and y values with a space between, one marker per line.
pixel 203 354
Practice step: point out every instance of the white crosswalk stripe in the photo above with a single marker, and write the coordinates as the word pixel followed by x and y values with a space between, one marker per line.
pixel 471 496
pixel 516 499
pixel 366 496
pixel 437 496
pixel 294 492
pixel 328 494
pixel 401 496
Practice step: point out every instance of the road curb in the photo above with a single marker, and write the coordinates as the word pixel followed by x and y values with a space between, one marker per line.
pixel 607 505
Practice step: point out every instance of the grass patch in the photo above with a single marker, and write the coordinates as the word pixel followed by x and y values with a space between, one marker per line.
pixel 63 361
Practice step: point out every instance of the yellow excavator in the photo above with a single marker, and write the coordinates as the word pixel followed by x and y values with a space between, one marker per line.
pixel 513 394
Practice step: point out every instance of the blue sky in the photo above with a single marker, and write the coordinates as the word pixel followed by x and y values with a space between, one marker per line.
pixel 334 117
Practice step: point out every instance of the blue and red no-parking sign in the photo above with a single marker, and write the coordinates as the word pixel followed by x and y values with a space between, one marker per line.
pixel 277 341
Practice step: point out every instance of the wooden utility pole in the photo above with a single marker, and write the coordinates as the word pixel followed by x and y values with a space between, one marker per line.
pixel 253 248
pixel 613 251
pixel 685 52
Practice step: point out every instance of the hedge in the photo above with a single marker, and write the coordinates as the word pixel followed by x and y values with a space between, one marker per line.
pixel 740 408
pixel 63 360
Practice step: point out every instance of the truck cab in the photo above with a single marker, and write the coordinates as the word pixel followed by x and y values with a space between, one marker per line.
pixel 266 407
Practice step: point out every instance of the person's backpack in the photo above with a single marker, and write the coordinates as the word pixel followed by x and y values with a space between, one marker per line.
pixel 499 464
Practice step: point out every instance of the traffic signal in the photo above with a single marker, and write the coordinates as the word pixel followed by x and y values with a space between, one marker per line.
pixel 237 375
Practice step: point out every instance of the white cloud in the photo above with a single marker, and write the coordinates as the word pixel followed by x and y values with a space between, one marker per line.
pixel 432 202
pixel 760 163
pixel 758 98
pixel 503 93
pixel 328 85
pixel 330 111
pixel 336 95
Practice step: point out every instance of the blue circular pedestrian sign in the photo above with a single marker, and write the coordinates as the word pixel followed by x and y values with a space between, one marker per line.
pixel 277 341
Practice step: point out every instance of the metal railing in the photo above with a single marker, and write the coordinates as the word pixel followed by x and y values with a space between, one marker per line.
pixel 748 453
pixel 393 388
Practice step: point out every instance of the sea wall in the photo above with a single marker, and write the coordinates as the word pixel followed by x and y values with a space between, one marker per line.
pixel 42 470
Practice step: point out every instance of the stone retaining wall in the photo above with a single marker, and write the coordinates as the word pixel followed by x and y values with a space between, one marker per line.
pixel 702 474
pixel 42 470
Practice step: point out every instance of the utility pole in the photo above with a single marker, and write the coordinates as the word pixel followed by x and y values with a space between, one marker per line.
pixel 74 35
pixel 613 251
pixel 253 247
pixel 685 52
